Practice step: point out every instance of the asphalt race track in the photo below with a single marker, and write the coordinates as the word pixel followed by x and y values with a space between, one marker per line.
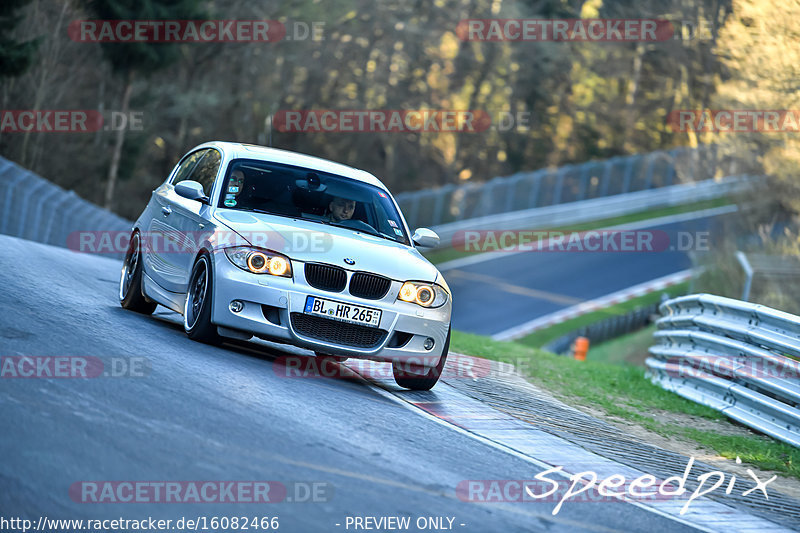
pixel 513 288
pixel 224 413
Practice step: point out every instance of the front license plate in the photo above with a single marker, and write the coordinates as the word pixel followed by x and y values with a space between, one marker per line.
pixel 355 314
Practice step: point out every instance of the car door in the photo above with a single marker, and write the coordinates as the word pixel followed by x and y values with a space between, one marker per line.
pixel 162 258
pixel 190 217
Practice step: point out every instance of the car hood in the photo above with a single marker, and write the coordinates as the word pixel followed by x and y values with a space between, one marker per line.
pixel 313 242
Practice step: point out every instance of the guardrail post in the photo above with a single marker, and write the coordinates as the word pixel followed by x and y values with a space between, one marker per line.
pixel 670 175
pixel 748 271
pixel 648 180
pixel 583 179
pixel 537 178
pixel 607 176
pixel 439 205
pixel 559 184
pixel 626 183
pixel 9 190
pixel 37 217
pixel 29 200
pixel 511 189
pixel 413 210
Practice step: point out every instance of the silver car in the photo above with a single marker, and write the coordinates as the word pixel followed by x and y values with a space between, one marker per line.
pixel 246 241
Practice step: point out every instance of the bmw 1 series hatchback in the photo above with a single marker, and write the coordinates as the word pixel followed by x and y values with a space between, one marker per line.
pixel 247 241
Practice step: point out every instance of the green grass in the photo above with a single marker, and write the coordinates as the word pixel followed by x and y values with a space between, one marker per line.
pixel 540 337
pixel 447 254
pixel 630 348
pixel 622 391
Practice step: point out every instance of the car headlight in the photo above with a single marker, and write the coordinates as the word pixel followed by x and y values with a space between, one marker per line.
pixel 424 294
pixel 260 261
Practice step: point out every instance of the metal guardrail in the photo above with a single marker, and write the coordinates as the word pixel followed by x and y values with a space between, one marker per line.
pixel 570 183
pixel 38 210
pixel 595 209
pixel 739 358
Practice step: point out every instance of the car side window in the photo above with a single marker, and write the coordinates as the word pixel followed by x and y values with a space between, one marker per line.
pixel 206 170
pixel 187 165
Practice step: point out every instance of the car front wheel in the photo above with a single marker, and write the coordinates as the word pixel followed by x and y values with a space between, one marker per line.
pixel 197 311
pixel 425 381
pixel 130 282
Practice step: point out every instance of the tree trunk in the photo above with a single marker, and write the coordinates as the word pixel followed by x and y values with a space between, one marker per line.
pixel 630 101
pixel 117 154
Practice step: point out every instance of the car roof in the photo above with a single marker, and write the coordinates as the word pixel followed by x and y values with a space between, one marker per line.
pixel 254 151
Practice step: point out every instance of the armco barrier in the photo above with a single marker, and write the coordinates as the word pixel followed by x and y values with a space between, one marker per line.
pixel 549 187
pixel 599 208
pixel 736 357
pixel 38 210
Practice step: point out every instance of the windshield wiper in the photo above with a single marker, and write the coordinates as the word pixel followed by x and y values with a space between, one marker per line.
pixel 257 210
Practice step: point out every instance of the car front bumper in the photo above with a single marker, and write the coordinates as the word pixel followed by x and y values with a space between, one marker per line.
pixel 272 305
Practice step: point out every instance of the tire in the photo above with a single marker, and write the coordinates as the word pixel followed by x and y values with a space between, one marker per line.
pixel 130 281
pixel 197 310
pixel 426 381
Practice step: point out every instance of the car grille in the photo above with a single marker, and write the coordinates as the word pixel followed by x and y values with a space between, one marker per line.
pixel 336 332
pixel 325 277
pixel 369 286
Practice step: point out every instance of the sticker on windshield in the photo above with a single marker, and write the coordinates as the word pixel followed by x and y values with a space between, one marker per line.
pixel 393 224
pixel 230 203
pixel 233 189
pixel 398 231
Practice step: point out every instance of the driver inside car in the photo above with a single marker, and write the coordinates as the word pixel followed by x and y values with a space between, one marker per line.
pixel 341 209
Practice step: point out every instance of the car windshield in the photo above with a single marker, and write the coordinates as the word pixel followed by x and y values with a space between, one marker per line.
pixel 306 194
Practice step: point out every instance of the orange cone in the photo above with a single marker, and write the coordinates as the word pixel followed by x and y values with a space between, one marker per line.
pixel 581 348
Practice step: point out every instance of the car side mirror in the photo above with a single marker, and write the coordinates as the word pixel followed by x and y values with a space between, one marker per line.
pixel 191 190
pixel 425 237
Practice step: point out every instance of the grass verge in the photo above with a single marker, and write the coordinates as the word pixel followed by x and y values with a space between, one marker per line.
pixel 626 349
pixel 447 254
pixel 622 391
